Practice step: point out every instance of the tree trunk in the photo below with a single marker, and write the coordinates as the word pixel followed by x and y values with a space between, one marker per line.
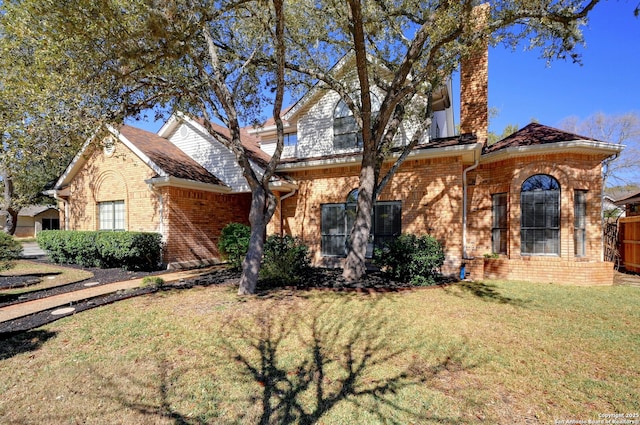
pixel 259 218
pixel 9 226
pixel 355 265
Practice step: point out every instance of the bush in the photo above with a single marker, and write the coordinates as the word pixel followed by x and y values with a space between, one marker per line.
pixel 234 243
pixel 286 260
pixel 10 250
pixel 128 250
pixel 411 258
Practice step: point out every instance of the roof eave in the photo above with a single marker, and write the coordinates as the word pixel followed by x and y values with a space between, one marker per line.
pixel 576 146
pixel 469 152
pixel 165 181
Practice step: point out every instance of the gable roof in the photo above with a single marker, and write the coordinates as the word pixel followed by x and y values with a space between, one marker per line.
pixel 158 153
pixel 34 210
pixel 250 142
pixel 167 157
pixel 537 137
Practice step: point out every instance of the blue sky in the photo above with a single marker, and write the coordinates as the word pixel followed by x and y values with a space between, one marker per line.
pixel 522 87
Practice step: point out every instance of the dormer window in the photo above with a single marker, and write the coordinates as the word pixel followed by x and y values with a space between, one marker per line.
pixel 346 134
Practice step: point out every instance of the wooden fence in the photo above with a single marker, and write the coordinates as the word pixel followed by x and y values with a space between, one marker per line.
pixel 629 237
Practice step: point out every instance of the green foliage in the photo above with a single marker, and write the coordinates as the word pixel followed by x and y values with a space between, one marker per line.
pixel 234 243
pixel 152 281
pixel 10 250
pixel 411 258
pixel 286 260
pixel 128 250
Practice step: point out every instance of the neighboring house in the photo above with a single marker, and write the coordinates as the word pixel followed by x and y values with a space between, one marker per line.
pixel 630 203
pixel 533 200
pixel 34 218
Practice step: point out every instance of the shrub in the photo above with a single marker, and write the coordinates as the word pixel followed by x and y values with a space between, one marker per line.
pixel 234 243
pixel 128 250
pixel 411 258
pixel 286 260
pixel 152 281
pixel 10 250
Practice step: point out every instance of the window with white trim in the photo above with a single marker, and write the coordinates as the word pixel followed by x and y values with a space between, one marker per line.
pixel 111 215
pixel 540 216
pixel 346 134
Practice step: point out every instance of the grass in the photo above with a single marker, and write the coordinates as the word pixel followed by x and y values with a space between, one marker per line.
pixel 472 353
pixel 49 276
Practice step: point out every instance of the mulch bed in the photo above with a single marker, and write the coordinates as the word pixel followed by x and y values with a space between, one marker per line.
pixel 322 279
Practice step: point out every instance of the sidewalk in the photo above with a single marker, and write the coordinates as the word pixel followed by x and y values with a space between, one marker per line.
pixel 15 311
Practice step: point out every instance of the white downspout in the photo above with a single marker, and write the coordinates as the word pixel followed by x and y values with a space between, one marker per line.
pixel 464 205
pixel 282 198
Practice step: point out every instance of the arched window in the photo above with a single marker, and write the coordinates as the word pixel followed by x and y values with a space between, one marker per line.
pixel 540 216
pixel 346 134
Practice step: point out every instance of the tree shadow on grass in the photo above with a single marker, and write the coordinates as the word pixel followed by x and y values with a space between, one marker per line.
pixel 346 354
pixel 486 292
pixel 14 343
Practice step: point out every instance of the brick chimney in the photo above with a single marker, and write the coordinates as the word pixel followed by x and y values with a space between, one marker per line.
pixel 474 83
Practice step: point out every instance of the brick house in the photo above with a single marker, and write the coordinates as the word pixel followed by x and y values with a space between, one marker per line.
pixel 530 201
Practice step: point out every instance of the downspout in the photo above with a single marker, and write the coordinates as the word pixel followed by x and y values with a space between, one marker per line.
pixel 464 204
pixel 282 198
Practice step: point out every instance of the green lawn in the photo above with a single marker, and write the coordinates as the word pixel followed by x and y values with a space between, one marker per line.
pixel 49 276
pixel 483 353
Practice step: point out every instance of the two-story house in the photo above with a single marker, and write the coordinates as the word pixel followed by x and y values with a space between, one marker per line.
pixel 532 201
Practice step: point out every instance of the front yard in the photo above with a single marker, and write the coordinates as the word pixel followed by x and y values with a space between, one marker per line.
pixel 468 353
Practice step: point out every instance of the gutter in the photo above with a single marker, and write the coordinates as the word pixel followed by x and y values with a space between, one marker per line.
pixel 464 205
pixel 54 194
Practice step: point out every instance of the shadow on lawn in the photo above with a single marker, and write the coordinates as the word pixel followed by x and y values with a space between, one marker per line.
pixel 487 292
pixel 348 354
pixel 12 344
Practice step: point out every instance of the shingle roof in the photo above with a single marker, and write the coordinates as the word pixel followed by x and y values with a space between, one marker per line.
pixel 34 210
pixel 167 156
pixel 535 134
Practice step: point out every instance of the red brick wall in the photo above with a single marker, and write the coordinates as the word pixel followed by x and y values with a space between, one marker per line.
pixel 193 221
pixel 430 191
pixel 573 172
pixel 116 177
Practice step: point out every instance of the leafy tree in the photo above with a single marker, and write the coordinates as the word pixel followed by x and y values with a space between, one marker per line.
pixel 508 131
pixel 621 129
pixel 408 49
pixel 191 56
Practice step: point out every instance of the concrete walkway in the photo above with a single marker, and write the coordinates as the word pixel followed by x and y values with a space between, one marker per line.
pixel 15 311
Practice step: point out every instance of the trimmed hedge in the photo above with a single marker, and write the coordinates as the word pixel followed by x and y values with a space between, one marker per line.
pixel 127 250
pixel 10 250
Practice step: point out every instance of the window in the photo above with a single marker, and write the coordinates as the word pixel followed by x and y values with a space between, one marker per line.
pixel 499 226
pixel 346 134
pixel 291 139
pixel 540 216
pixel 111 215
pixel 50 224
pixel 580 222
pixel 337 221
